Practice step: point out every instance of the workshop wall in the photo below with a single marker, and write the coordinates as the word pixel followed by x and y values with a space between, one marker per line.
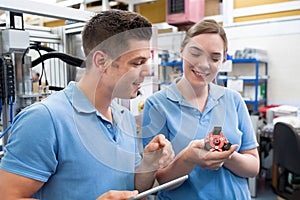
pixel 279 39
pixel 283 54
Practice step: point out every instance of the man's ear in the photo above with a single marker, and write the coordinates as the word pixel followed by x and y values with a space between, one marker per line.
pixel 100 60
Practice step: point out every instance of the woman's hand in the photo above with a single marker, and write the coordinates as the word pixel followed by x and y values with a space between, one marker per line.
pixel 195 154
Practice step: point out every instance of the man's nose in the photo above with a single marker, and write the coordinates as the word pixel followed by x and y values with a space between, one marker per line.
pixel 146 70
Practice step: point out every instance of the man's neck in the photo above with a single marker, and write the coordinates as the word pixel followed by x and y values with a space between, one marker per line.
pixel 97 95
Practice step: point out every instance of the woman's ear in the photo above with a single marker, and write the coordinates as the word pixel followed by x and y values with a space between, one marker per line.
pixel 181 54
pixel 100 60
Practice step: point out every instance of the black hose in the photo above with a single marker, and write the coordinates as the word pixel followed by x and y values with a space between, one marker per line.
pixel 36 47
pixel 69 59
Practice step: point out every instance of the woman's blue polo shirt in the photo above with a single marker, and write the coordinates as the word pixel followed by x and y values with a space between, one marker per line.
pixel 167 112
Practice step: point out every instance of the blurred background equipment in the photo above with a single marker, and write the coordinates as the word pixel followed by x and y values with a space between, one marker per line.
pixel 33 64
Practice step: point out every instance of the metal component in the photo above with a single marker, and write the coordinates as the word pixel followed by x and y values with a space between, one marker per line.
pixel 216 141
pixel 9 92
pixel 26 76
pixel 14 39
pixel 43 34
pixel 105 5
pixel 74 47
pixel 15 48
pixel 15 20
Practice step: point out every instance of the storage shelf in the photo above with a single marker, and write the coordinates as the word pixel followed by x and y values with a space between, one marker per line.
pixel 164 77
pixel 171 64
pixel 250 60
pixel 250 80
pixel 257 80
pixel 262 101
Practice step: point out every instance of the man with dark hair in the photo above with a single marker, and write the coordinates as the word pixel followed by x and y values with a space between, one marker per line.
pixel 83 144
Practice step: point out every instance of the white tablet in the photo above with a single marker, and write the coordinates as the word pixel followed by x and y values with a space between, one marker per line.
pixel 160 187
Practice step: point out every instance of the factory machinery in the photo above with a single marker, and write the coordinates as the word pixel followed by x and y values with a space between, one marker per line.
pixel 24 51
pixel 56 53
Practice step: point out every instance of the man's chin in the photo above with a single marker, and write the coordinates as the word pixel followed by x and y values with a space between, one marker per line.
pixel 133 96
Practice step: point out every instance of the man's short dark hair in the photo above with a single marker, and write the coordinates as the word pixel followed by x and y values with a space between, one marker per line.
pixel 122 25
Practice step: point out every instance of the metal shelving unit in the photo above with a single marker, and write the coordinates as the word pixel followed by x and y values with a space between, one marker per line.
pixel 257 80
pixel 164 72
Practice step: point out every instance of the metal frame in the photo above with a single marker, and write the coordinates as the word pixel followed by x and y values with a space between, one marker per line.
pixel 72 37
pixel 53 37
pixel 47 10
pixel 61 11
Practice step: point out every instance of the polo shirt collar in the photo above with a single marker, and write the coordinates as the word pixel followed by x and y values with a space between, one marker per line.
pixel 82 105
pixel 174 94
pixel 78 99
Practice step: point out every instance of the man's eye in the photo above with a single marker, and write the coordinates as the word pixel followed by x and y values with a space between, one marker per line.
pixel 215 59
pixel 137 63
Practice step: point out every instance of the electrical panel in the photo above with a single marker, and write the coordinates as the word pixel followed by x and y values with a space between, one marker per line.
pixel 184 12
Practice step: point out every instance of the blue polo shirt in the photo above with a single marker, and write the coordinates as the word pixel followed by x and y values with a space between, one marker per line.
pixel 64 142
pixel 167 112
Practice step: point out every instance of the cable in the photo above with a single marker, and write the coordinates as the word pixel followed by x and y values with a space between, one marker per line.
pixel 11 104
pixel 52 53
pixel 43 71
pixel 5 131
pixel 55 88
pixel 44 48
pixel 36 46
pixel 71 60
pixel 10 117
pixel 0 107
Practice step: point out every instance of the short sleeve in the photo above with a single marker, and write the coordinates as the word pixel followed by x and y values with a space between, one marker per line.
pixel 31 149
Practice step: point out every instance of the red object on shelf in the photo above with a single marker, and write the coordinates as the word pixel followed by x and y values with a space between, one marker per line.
pixel 183 12
pixel 264 109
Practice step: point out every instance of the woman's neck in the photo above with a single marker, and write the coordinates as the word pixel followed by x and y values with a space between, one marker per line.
pixel 195 96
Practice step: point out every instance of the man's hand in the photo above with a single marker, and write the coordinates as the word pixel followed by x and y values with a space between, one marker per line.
pixel 195 154
pixel 158 153
pixel 117 195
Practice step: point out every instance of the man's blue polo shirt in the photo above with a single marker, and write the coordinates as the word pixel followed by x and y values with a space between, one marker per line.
pixel 64 142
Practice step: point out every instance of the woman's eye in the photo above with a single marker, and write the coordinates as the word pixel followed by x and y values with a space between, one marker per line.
pixel 195 53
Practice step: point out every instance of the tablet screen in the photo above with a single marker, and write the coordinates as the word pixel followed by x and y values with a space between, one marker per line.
pixel 160 187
